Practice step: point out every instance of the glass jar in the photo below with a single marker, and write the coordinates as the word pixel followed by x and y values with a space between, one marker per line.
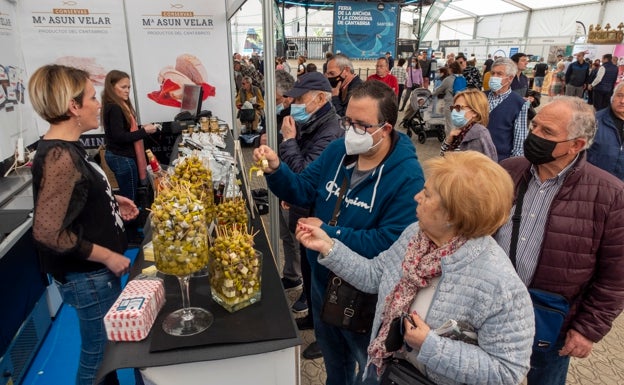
pixel 214 125
pixel 235 276
pixel 205 124
pixel 180 234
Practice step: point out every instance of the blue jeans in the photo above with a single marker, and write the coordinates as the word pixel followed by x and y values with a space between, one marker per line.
pixel 126 173
pixel 341 348
pixel 539 81
pixel 549 368
pixel 91 294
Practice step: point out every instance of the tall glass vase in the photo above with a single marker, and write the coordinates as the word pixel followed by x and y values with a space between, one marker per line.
pixel 187 320
pixel 180 242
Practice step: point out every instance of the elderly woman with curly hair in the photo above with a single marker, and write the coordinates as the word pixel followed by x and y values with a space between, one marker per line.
pixel 446 267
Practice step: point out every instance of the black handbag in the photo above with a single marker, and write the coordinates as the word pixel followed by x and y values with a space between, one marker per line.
pixel 401 372
pixel 345 306
pixel 247 115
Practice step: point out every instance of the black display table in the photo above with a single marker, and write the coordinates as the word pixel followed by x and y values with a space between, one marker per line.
pixel 271 316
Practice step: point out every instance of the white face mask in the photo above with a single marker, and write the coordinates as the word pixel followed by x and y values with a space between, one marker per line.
pixel 357 144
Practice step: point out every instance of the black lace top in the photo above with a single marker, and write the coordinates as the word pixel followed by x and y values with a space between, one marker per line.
pixel 74 208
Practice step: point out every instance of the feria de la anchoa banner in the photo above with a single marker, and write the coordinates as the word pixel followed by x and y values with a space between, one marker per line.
pixel 365 30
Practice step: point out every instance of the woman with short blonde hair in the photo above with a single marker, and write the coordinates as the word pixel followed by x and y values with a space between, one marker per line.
pixel 78 222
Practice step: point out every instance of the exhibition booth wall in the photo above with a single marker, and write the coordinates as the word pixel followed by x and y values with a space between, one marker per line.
pixel 160 44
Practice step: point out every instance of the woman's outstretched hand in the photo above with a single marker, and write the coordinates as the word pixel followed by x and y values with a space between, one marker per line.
pixel 313 237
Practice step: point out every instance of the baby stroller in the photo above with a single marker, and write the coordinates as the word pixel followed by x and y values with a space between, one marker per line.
pixel 421 119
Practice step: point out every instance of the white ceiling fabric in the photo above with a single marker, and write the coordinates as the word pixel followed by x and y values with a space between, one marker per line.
pixel 467 8
pixel 479 19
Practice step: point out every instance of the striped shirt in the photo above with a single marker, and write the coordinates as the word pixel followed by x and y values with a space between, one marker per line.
pixel 535 213
pixel 520 125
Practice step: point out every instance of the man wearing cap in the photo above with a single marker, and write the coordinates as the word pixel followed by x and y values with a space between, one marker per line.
pixel 382 74
pixel 311 126
pixel 376 171
pixel 343 80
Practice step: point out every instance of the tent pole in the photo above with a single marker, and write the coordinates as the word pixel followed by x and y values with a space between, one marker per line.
pixel 271 118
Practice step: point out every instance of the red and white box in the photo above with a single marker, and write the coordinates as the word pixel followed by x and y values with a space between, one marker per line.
pixel 131 317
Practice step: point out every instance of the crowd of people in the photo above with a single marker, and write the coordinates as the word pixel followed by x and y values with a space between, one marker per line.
pixel 419 254
pixel 522 199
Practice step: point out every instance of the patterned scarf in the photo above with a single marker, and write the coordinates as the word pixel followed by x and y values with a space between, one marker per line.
pixel 139 150
pixel 421 264
pixel 457 140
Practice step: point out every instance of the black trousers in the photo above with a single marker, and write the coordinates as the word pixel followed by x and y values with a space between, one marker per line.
pixel 601 99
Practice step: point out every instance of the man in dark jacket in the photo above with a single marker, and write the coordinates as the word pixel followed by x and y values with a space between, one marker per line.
pixel 508 111
pixel 576 76
pixel 607 151
pixel 570 234
pixel 343 81
pixel 311 126
pixel 520 84
pixel 602 86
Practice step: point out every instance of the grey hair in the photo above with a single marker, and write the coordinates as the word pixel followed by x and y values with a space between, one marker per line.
pixel 616 90
pixel 283 82
pixel 343 61
pixel 511 69
pixel 326 94
pixel 248 79
pixel 582 118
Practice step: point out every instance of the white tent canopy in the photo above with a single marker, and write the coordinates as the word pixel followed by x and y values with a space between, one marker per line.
pixel 484 22
pixel 493 19
pixel 472 8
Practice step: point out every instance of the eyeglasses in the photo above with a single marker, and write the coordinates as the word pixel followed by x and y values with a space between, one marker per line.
pixel 359 128
pixel 457 107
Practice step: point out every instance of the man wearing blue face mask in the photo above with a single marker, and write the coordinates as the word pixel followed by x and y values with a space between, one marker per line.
pixel 508 111
pixel 376 171
pixel 312 124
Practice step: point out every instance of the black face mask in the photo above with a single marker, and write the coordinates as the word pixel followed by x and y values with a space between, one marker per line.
pixel 333 81
pixel 539 150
